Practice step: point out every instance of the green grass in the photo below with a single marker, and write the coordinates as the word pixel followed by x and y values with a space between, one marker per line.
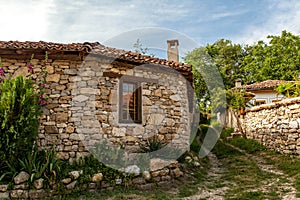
pixel 191 188
pixel 242 173
pixel 288 165
pixel 118 194
pixel 248 145
pixel 221 150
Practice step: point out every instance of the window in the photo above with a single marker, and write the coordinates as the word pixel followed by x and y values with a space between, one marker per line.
pixel 130 102
pixel 274 101
pixel 259 102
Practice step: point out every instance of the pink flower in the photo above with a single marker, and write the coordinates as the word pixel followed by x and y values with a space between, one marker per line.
pixel 43 85
pixel 30 68
pixel 1 71
pixel 42 102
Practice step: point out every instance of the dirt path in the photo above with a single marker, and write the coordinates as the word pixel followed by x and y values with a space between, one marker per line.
pixel 281 183
pixel 277 182
pixel 207 190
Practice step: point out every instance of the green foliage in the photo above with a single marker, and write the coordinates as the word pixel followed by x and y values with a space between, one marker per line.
pixel 226 132
pixel 90 165
pixel 158 148
pixel 195 146
pixel 235 99
pixel 279 59
pixel 111 155
pixel 152 144
pixel 207 80
pixel 252 195
pixel 221 150
pixel 41 164
pixel 19 117
pixel 289 89
pixel 21 101
pixel 249 145
pixel 228 58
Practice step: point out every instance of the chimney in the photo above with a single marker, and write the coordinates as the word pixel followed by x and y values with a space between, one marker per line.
pixel 172 51
pixel 238 83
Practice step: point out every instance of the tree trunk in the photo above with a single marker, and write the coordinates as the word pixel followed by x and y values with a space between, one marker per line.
pixel 238 123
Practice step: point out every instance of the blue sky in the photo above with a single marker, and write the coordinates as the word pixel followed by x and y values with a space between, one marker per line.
pixel 119 23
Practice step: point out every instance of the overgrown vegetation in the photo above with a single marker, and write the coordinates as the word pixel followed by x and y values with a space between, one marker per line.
pixel 290 89
pixel 21 101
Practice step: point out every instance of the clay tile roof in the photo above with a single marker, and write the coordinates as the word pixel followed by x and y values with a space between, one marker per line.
pixel 94 48
pixel 265 85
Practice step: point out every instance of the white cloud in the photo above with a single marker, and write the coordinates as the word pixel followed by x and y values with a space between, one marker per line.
pixel 282 15
pixel 98 20
pixel 24 20
pixel 217 16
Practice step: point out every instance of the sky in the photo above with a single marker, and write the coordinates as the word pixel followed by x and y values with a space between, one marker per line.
pixel 119 23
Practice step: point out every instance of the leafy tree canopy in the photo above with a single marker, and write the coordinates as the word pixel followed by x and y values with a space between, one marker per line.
pixel 279 59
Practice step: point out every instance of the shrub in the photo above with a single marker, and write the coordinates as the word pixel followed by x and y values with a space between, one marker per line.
pixel 41 164
pixel 21 101
pixel 152 144
pixel 19 117
pixel 289 89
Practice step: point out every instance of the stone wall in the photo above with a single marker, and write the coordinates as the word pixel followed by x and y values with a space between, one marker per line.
pixel 83 103
pixel 275 125
pixel 159 175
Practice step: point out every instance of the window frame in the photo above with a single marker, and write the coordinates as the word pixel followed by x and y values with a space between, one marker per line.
pixel 138 92
pixel 259 102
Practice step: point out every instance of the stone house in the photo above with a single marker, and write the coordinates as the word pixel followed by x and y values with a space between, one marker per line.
pixel 263 92
pixel 97 92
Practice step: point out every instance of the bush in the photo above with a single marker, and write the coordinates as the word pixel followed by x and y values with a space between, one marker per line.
pixel 20 109
pixel 153 144
pixel 226 132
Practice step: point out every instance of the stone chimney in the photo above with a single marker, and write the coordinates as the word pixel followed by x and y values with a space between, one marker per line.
pixel 172 51
pixel 238 83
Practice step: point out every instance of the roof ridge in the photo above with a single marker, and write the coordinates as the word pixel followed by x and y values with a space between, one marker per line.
pixel 94 47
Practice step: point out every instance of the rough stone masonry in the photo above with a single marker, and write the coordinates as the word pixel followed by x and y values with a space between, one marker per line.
pixel 275 125
pixel 83 86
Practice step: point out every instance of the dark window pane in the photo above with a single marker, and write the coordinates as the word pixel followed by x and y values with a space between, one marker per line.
pixel 130 108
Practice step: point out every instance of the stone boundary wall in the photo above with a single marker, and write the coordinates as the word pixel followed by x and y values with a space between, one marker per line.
pixel 159 176
pixel 275 125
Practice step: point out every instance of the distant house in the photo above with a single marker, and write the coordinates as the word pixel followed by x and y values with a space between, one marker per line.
pixel 264 92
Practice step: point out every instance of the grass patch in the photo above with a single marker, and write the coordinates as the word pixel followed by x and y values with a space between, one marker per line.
pixel 221 150
pixel 243 174
pixel 248 145
pixel 297 185
pixel 290 166
pixel 191 188
pixel 226 132
pixel 252 195
pixel 119 194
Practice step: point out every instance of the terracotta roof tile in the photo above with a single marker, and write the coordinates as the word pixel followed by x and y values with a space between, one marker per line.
pixel 95 48
pixel 268 84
